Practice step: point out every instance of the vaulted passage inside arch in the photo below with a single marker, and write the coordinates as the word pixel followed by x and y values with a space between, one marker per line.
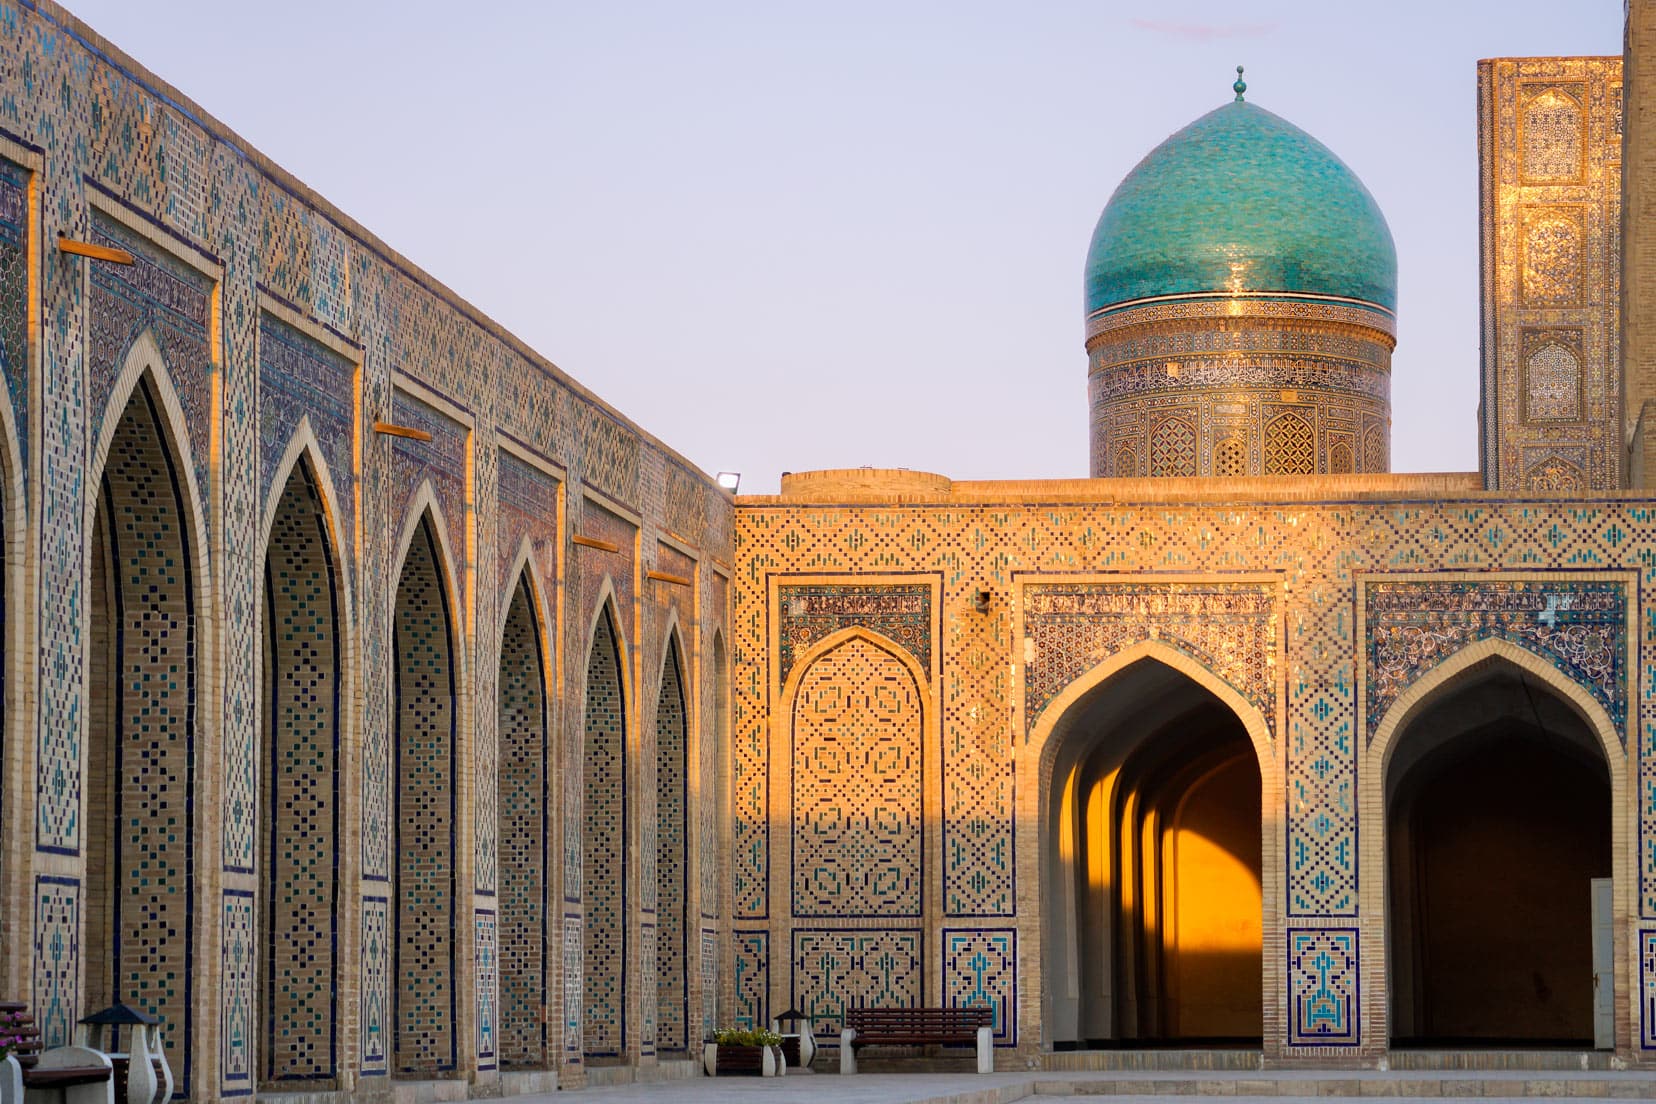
pixel 300 833
pixel 1497 820
pixel 1153 906
pixel 141 733
pixel 425 816
pixel 526 801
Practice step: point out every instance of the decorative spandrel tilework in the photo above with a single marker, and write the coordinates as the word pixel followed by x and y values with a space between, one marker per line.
pixel 526 501
pixel 442 460
pixel 1578 626
pixel 485 975
pixel 238 956
pixel 806 614
pixel 604 852
pixel 170 299
pixel 752 966
pixel 56 1001
pixel 1323 966
pixel 1229 628
pixel 836 970
pixel 980 970
pixel 573 988
pixel 300 378
pixel 14 299
pixel 857 734
pixel 425 1007
pixel 1647 989
pixel 142 698
pixel 301 752
pixel 526 802
pixel 672 959
pixel 376 990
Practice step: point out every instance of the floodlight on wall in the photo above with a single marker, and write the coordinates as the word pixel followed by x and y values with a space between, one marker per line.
pixel 729 480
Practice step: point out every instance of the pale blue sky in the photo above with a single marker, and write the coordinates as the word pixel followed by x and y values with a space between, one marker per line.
pixel 788 236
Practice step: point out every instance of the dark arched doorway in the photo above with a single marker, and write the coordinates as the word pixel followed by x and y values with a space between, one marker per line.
pixel 1497 821
pixel 1154 904
pixel 604 847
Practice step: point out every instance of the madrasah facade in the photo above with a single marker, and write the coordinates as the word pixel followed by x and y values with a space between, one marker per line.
pixel 388 714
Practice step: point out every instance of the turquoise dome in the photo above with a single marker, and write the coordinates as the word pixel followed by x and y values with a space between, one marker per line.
pixel 1241 200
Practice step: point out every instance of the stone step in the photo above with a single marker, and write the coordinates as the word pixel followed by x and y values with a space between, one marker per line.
pixel 1350 1084
pixel 1172 1058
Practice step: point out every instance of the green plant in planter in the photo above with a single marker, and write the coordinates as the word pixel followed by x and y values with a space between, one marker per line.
pixel 757 1036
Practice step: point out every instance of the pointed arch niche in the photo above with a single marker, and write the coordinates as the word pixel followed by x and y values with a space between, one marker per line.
pixel 301 723
pixel 672 866
pixel 427 709
pixel 143 670
pixel 525 809
pixel 604 864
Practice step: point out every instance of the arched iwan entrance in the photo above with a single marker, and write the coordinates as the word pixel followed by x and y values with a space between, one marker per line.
pixel 1151 864
pixel 425 813
pixel 1498 819
pixel 301 840
pixel 526 802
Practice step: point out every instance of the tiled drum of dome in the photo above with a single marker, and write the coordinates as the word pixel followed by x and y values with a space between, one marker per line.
pixel 139 840
pixel 524 810
pixel 301 752
pixel 857 784
pixel 672 958
pixel 604 856
pixel 424 915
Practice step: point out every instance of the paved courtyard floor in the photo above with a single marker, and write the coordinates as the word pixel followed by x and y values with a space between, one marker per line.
pixel 1162 1087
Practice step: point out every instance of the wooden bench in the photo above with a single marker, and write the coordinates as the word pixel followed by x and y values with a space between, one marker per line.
pixel 918 1027
pixel 80 1074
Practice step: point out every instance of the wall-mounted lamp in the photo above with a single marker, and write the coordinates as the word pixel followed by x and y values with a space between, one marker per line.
pixel 729 481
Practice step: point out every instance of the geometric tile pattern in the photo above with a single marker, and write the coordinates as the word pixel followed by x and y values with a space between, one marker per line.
pixel 807 613
pixel 605 851
pixel 573 979
pixel 752 964
pixel 672 793
pixel 854 968
pixel 525 799
pixel 1578 626
pixel 300 378
pixel 375 1030
pixel 240 958
pixel 709 982
pixel 1230 628
pixel 980 970
pixel 14 298
pixel 857 785
pixel 1323 993
pixel 301 755
pixel 425 1008
pixel 484 975
pixel 56 1000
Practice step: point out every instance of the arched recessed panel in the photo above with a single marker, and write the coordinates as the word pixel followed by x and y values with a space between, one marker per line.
pixel 301 838
pixel 672 855
pixel 604 849
pixel 425 815
pixel 526 800
pixel 141 692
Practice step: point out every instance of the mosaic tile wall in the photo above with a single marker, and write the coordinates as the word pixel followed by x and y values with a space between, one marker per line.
pixel 672 959
pixel 525 798
pixel 1550 148
pixel 425 915
pixel 1267 598
pixel 301 722
pixel 259 308
pixel 604 849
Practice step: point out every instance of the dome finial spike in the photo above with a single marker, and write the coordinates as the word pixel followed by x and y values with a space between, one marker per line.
pixel 1240 86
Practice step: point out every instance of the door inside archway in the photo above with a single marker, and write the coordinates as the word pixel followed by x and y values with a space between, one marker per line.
pixel 1497 821
pixel 1154 858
